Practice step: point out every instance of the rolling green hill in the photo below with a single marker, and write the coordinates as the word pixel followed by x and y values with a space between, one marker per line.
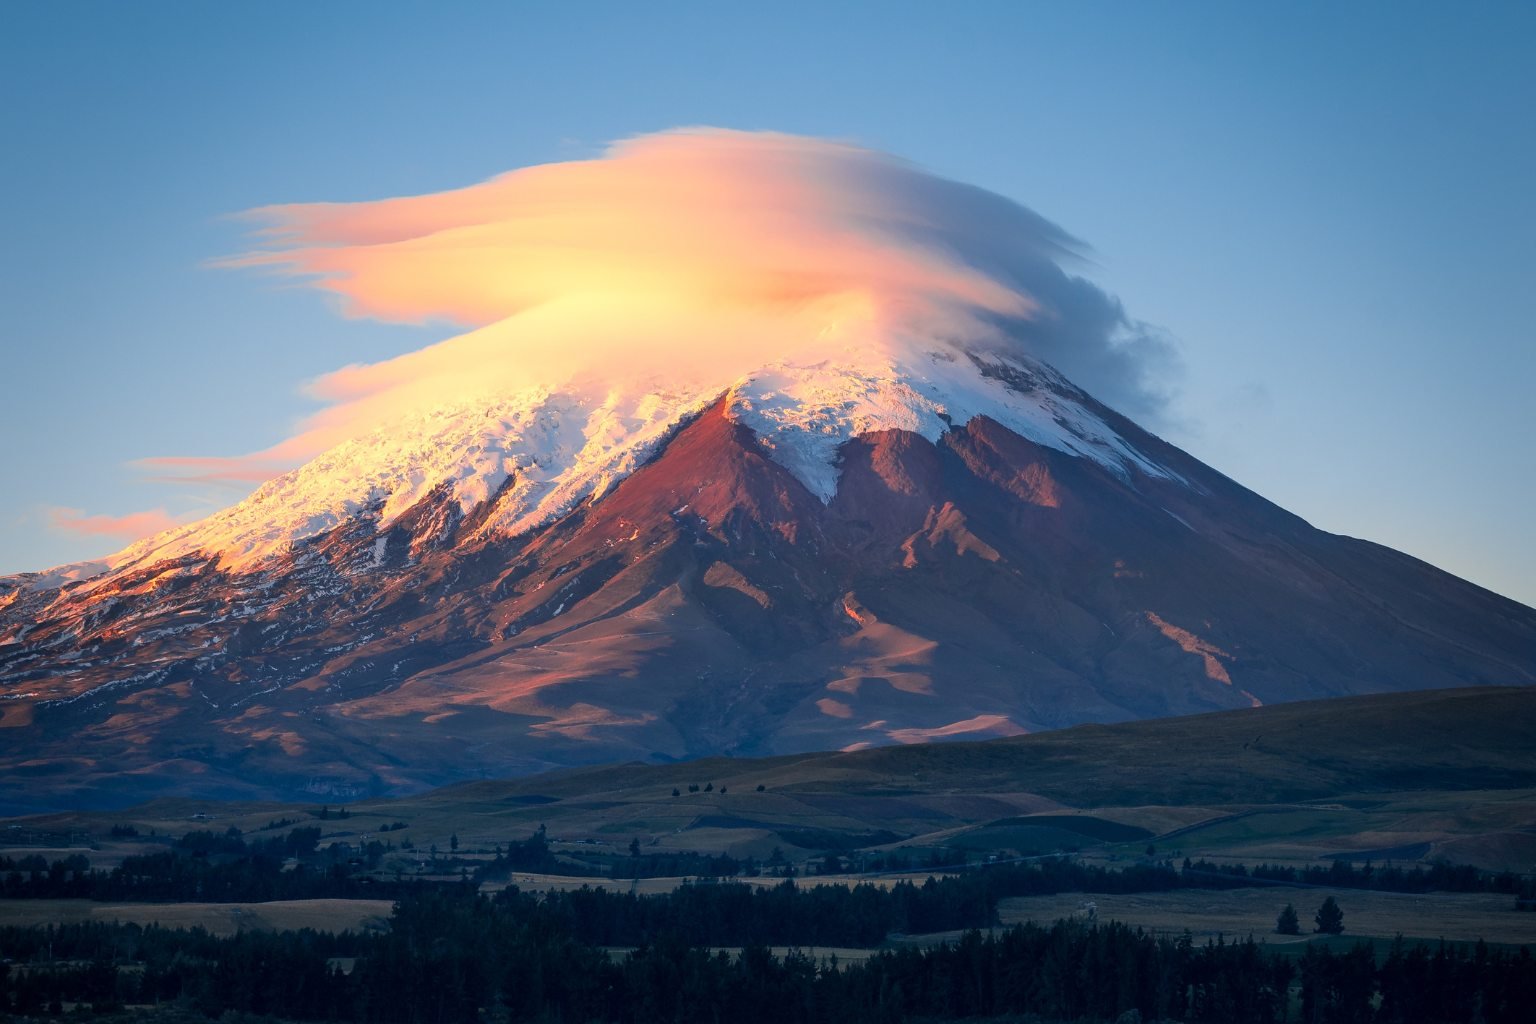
pixel 1416 776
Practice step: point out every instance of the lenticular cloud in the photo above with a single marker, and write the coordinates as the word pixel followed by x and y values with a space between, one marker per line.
pixel 708 217
pixel 704 252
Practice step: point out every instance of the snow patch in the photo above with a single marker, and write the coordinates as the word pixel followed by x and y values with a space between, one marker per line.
pixel 1182 521
pixel 60 575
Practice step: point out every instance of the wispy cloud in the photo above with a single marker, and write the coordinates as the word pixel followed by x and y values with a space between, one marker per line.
pixel 130 527
pixel 236 471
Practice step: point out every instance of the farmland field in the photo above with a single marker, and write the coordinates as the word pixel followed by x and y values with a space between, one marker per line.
pixel 218 918
pixel 1239 913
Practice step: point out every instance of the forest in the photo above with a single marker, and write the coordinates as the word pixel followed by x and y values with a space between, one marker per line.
pixel 454 955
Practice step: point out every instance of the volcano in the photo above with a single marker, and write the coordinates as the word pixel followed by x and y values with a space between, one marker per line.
pixel 823 555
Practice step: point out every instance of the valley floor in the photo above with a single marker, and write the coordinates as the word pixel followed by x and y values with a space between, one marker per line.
pixel 1208 915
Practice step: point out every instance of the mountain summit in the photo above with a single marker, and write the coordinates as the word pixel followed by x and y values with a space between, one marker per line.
pixel 835 555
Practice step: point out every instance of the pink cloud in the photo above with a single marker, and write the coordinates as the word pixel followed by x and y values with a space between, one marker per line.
pixel 704 254
pixel 130 527
pixel 755 218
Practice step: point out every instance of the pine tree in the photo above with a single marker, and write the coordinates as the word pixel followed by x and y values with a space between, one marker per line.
pixel 1330 919
pixel 1287 923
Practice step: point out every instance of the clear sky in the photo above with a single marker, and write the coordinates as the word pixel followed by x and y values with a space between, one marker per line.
pixel 1328 208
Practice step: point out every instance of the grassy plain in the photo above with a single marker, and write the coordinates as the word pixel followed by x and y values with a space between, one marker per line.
pixel 1401 778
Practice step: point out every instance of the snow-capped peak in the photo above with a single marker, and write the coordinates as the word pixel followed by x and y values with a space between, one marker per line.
pixel 560 447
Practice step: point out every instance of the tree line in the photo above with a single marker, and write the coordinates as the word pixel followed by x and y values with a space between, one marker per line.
pixel 229 867
pixel 1340 874
pixel 211 867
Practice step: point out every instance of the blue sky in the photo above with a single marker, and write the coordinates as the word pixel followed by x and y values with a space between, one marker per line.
pixel 1328 208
